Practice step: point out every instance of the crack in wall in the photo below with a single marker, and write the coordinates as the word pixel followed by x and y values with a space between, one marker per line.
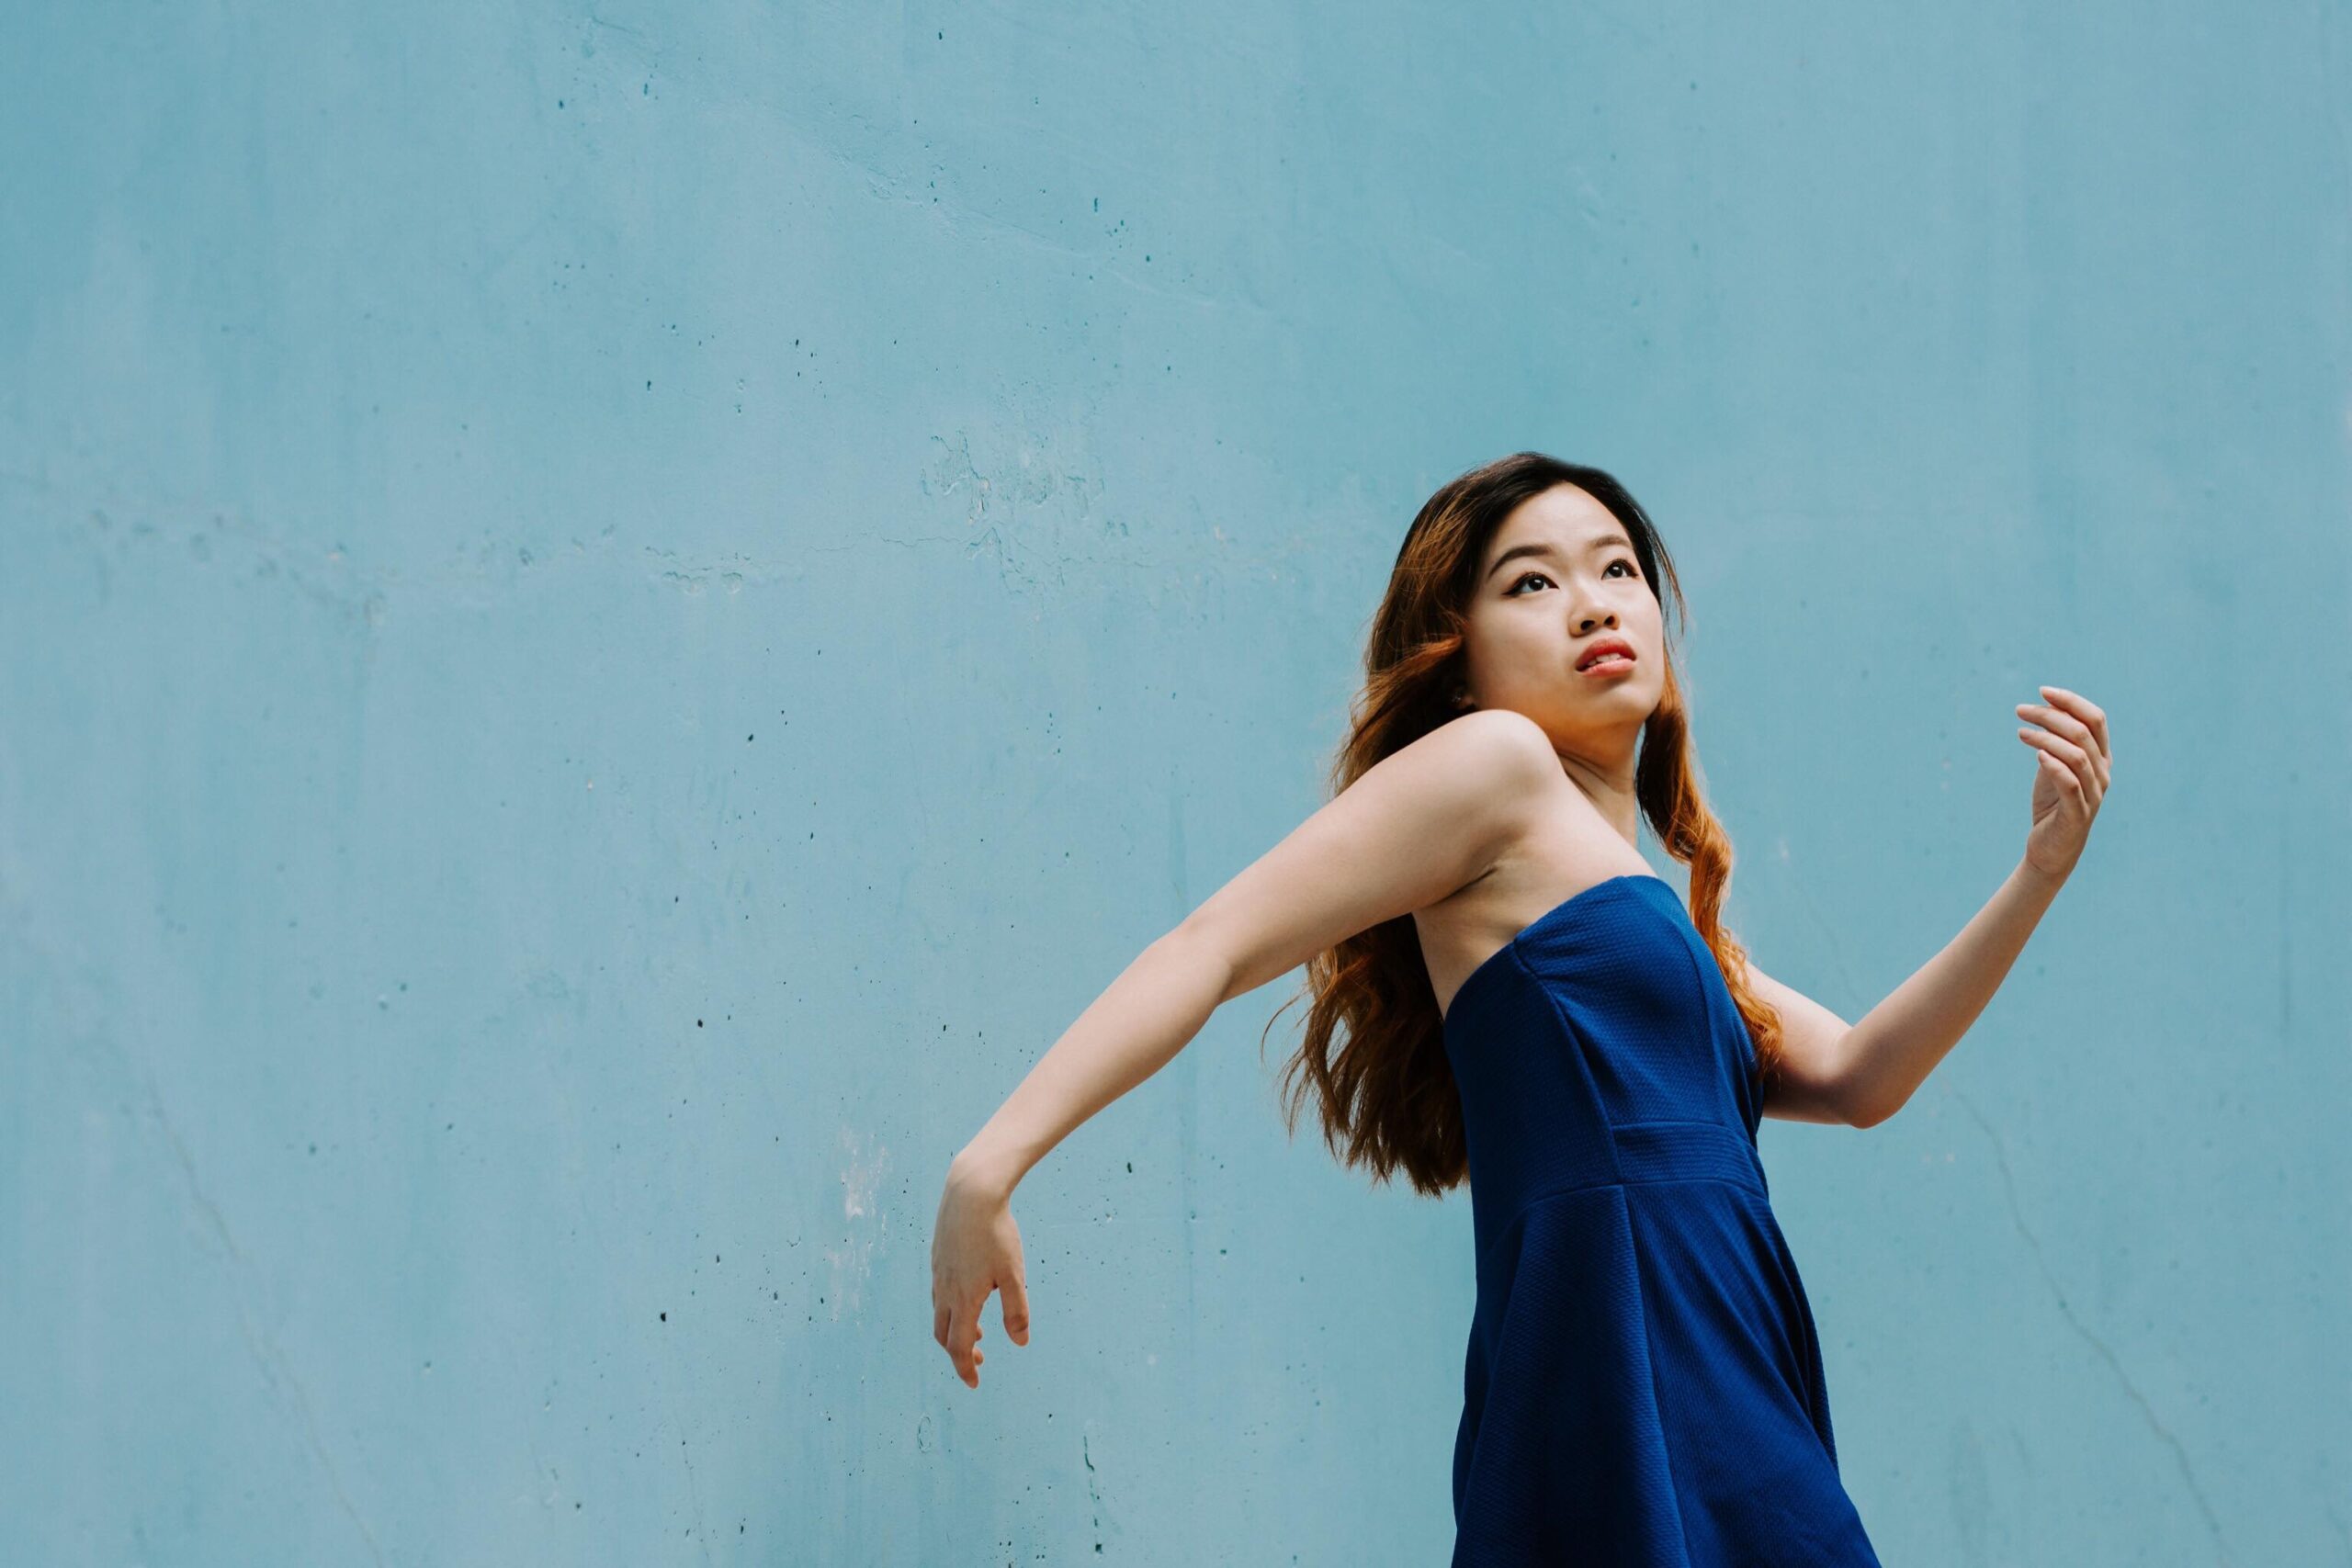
pixel 278 1374
pixel 276 1368
pixel 2033 1244
pixel 2066 1310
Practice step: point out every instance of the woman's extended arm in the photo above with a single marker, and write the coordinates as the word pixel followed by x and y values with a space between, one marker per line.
pixel 1893 1047
pixel 1887 1054
pixel 1415 827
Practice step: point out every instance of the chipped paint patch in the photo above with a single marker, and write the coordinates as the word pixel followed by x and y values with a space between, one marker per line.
pixel 853 1261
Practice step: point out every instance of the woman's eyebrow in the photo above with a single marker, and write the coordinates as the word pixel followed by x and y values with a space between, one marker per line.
pixel 1606 541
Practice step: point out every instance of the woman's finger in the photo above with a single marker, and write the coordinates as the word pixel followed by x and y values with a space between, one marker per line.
pixel 961 1335
pixel 1014 1303
pixel 2089 711
pixel 2069 772
pixel 2065 776
pixel 2064 769
pixel 2058 746
pixel 2058 721
pixel 2075 729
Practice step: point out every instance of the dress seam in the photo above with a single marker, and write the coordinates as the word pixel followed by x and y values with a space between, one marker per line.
pixel 1744 1055
pixel 1617 1184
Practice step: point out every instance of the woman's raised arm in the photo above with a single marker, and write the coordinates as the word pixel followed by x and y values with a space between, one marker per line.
pixel 1416 825
pixel 1893 1047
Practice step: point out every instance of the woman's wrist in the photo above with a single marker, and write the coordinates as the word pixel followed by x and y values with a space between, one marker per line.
pixel 984 1170
pixel 2042 884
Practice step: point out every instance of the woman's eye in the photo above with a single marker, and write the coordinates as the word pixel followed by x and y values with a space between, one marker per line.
pixel 1526 578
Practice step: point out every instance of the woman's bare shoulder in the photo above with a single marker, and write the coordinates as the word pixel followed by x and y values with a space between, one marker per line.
pixel 1419 824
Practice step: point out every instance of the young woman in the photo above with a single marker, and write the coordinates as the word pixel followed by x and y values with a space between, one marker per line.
pixel 1527 1007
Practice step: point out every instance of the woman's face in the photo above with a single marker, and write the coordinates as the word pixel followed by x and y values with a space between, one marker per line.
pixel 1559 578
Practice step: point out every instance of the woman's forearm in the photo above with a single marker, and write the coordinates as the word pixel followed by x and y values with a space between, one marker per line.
pixel 1898 1043
pixel 1135 1028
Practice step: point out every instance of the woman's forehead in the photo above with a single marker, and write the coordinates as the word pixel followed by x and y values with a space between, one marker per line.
pixel 1564 516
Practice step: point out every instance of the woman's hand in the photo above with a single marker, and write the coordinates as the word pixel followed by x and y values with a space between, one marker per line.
pixel 974 1248
pixel 2070 780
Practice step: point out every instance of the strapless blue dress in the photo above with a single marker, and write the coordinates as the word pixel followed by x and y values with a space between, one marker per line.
pixel 1643 1385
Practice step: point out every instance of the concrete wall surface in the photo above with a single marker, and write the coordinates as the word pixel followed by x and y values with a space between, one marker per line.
pixel 611 617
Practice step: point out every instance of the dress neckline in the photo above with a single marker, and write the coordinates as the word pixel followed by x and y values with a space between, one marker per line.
pixel 1495 959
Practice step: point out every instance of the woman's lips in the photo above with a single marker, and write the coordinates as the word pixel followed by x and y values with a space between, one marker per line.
pixel 1608 664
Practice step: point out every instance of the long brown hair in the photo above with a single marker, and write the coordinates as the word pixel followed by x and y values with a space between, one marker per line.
pixel 1387 1092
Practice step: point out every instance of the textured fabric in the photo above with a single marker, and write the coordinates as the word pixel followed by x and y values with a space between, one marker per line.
pixel 1643 1385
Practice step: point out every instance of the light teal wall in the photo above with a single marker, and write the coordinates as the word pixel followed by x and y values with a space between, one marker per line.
pixel 609 620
